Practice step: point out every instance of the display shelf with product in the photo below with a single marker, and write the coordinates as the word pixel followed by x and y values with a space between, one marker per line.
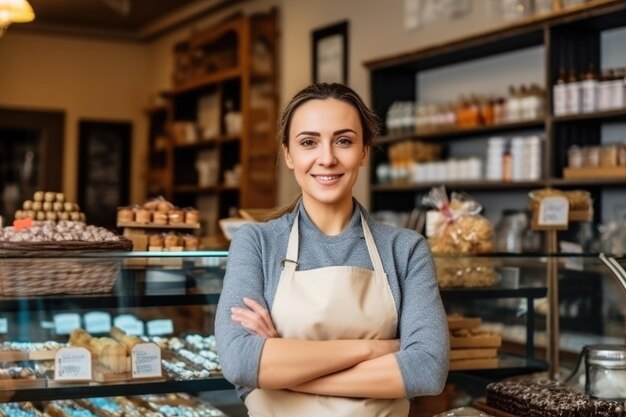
pixel 461 133
pixel 173 307
pixel 223 104
pixel 170 308
pixel 572 42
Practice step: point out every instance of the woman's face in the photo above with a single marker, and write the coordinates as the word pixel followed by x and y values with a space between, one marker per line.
pixel 326 151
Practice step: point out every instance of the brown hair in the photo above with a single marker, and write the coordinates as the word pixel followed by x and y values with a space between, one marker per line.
pixel 323 91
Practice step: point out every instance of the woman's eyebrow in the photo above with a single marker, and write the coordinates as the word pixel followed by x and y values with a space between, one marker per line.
pixel 335 133
pixel 339 132
pixel 308 134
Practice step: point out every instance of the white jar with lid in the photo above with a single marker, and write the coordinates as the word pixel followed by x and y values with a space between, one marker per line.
pixel 605 367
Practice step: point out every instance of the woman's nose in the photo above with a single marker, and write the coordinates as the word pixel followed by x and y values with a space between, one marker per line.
pixel 327 155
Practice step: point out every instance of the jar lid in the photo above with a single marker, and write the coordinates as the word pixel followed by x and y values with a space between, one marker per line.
pixel 607 354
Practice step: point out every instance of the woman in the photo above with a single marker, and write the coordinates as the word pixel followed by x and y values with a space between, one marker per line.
pixel 325 312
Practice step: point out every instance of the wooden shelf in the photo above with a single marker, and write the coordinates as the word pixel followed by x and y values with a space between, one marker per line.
pixel 605 116
pixel 465 132
pixel 467 185
pixel 588 182
pixel 208 143
pixel 199 83
pixel 194 189
pixel 601 14
pixel 181 226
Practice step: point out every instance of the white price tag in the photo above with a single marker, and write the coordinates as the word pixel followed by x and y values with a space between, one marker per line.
pixel 72 364
pixel 4 325
pixel 146 361
pixel 160 327
pixel 553 211
pixel 129 324
pixel 574 263
pixel 97 322
pixel 64 323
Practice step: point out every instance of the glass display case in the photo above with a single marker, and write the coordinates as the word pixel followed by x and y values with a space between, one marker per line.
pixel 497 306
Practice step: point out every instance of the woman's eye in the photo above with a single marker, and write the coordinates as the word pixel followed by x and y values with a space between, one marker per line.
pixel 307 143
pixel 344 141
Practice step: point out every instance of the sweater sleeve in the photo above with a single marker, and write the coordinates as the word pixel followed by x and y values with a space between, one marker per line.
pixel 239 350
pixel 424 338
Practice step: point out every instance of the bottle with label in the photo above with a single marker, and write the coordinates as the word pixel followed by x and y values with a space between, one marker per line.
pixel 589 91
pixel 513 105
pixel 573 94
pixel 507 166
pixel 559 94
pixel 617 93
pixel 603 99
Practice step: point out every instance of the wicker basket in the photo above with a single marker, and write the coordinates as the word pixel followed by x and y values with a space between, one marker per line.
pixel 43 268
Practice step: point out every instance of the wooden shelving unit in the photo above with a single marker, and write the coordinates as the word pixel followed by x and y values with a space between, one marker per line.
pixel 232 67
pixel 571 38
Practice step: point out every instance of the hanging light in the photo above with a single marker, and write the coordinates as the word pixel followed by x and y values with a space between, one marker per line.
pixel 14 11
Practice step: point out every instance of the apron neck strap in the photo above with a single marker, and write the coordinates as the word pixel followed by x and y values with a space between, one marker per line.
pixel 291 260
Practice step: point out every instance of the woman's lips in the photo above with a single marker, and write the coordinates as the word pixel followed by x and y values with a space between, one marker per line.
pixel 327 179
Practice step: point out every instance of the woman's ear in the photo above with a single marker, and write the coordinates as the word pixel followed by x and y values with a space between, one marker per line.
pixel 366 154
pixel 288 160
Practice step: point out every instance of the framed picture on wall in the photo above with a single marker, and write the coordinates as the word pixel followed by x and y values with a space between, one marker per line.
pixel 330 53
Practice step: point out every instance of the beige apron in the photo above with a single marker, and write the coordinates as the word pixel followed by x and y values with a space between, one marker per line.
pixel 336 302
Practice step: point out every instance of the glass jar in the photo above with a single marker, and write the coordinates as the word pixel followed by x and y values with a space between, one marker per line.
pixel 574 157
pixel 510 231
pixel 605 367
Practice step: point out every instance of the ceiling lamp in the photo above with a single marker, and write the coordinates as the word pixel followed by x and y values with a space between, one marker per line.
pixel 14 11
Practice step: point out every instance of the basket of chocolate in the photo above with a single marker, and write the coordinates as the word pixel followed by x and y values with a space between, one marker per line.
pixel 58 257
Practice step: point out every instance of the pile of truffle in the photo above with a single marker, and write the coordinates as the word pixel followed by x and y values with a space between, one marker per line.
pixel 548 399
pixel 50 206
pixel 58 232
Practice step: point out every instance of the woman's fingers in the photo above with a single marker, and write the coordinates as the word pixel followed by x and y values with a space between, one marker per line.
pixel 251 321
pixel 262 312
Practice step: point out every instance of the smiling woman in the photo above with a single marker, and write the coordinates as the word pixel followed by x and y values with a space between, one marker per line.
pixel 326 151
pixel 325 311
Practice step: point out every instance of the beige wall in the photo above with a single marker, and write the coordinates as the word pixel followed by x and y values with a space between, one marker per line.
pixel 376 30
pixel 85 78
pixel 114 80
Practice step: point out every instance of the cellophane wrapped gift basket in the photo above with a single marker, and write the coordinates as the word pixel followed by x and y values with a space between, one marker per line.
pixel 52 256
pixel 455 227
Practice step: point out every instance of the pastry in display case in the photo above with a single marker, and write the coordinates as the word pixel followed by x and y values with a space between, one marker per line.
pixel 132 327
pixel 159 226
pixel 547 398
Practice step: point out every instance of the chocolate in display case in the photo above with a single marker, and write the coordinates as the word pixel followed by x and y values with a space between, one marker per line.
pixel 132 340
pixel 172 310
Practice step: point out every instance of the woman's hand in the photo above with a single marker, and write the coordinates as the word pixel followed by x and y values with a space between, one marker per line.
pixel 380 348
pixel 255 318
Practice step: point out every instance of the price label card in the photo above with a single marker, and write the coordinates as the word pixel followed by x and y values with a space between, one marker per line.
pixel 72 364
pixel 160 327
pixel 64 323
pixel 553 211
pixel 129 324
pixel 97 322
pixel 146 361
pixel 4 325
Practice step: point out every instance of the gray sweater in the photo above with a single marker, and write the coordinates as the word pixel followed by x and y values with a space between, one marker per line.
pixel 254 267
